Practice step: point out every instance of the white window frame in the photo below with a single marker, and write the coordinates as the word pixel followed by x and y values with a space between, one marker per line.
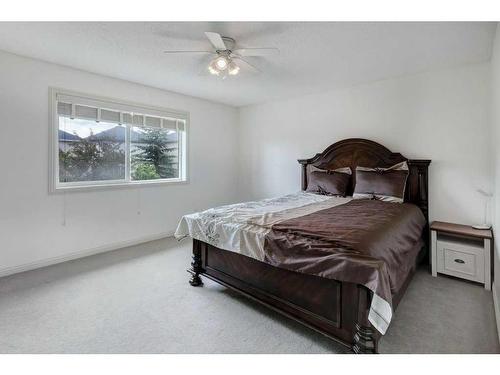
pixel 56 186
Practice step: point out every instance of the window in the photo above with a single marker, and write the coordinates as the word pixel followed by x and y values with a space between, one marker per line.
pixel 100 142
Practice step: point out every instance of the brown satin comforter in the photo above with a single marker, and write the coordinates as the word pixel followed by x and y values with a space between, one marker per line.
pixel 367 242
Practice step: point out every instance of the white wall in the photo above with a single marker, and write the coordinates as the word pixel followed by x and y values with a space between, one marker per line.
pixel 495 138
pixel 441 116
pixel 31 219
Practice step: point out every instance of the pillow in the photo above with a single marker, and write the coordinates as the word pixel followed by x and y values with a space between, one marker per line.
pixel 385 184
pixel 329 182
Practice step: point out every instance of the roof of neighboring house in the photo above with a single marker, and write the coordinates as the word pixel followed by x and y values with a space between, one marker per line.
pixel 65 136
pixel 117 134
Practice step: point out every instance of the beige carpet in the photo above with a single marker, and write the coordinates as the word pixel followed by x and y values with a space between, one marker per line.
pixel 137 300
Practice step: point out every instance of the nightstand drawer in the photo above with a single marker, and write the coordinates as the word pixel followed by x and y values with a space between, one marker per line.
pixel 456 259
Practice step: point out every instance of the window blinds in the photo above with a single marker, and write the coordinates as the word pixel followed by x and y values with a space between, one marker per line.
pixel 89 109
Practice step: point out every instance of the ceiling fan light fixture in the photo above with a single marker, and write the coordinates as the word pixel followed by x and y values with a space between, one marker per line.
pixel 223 65
pixel 233 69
pixel 221 62
pixel 213 69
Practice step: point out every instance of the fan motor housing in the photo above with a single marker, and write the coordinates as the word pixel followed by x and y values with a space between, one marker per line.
pixel 229 42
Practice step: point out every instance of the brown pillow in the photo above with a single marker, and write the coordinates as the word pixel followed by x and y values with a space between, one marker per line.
pixel 386 184
pixel 328 182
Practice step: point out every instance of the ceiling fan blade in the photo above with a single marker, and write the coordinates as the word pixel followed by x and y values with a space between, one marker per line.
pixel 174 51
pixel 246 65
pixel 216 41
pixel 267 51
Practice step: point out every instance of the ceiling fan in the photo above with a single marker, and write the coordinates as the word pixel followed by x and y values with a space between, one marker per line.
pixel 229 61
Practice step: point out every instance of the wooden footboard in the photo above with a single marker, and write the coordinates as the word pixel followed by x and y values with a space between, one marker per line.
pixel 338 310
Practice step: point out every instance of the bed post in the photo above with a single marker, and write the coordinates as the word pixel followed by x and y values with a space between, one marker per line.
pixel 196 267
pixel 417 193
pixel 364 337
pixel 303 177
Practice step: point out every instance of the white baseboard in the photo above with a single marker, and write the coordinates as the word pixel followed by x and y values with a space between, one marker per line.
pixel 496 304
pixel 81 254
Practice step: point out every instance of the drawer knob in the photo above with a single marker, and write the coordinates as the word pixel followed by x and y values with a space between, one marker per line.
pixel 459 261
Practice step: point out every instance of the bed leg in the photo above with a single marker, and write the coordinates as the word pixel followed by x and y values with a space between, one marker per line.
pixel 364 342
pixel 364 337
pixel 196 268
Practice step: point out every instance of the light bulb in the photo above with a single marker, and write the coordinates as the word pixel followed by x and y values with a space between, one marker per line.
pixel 213 70
pixel 221 63
pixel 233 69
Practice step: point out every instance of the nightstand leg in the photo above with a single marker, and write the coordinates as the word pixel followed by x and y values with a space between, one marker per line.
pixel 487 264
pixel 434 252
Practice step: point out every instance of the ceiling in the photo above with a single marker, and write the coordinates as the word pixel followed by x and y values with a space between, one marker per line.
pixel 313 57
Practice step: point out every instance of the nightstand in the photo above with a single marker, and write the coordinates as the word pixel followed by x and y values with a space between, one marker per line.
pixel 461 251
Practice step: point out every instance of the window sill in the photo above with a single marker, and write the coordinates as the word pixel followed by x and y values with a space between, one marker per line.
pixel 114 185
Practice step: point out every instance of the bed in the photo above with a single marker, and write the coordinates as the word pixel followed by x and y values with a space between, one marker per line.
pixel 337 265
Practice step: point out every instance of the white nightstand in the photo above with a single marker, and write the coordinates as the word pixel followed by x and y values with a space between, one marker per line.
pixel 461 251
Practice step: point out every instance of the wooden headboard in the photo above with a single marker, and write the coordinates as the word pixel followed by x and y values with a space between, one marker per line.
pixel 355 152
